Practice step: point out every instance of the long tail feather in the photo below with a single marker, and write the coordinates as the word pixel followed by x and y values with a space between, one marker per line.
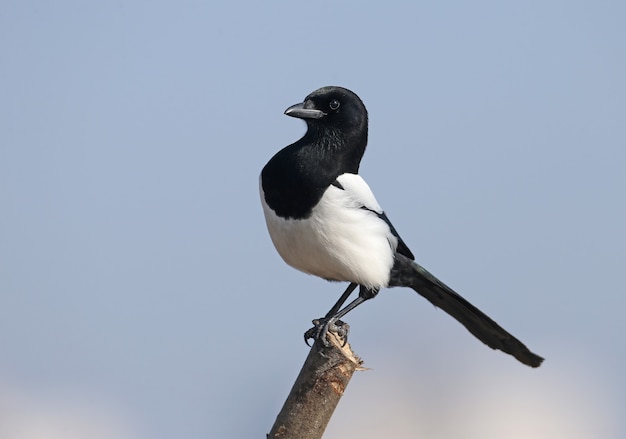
pixel 408 273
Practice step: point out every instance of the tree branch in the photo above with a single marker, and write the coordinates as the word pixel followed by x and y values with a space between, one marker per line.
pixel 316 392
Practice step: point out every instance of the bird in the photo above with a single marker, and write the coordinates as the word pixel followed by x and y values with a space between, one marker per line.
pixel 324 220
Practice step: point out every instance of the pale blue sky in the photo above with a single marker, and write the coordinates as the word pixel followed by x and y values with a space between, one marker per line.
pixel 140 295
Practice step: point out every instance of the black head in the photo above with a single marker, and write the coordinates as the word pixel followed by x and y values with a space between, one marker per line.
pixel 334 109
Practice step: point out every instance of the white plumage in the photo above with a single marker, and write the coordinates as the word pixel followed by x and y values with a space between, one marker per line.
pixel 341 240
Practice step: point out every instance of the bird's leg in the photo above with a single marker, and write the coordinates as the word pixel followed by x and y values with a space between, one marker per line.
pixel 331 321
pixel 341 300
pixel 364 294
pixel 316 330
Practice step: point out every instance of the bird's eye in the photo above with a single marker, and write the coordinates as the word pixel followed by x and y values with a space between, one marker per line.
pixel 334 104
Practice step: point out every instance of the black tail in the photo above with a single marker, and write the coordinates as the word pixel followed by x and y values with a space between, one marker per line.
pixel 407 273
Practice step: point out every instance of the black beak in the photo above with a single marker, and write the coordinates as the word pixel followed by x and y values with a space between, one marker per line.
pixel 300 112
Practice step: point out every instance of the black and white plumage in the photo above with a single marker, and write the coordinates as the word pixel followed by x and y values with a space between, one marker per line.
pixel 324 220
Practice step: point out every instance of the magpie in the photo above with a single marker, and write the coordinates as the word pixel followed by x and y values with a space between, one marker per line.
pixel 324 220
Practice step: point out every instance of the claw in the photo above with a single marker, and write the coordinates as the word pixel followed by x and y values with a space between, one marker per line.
pixel 320 330
pixel 312 333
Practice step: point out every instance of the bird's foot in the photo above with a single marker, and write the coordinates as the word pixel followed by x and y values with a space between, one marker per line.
pixel 322 326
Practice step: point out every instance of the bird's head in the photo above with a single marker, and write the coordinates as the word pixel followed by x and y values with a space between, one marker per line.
pixel 333 108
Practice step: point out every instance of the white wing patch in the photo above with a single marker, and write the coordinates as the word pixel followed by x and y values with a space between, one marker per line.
pixel 357 189
pixel 340 240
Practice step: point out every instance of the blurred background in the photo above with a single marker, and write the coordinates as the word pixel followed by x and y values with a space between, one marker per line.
pixel 141 297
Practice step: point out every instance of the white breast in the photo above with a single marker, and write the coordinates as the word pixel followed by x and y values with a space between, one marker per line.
pixel 340 240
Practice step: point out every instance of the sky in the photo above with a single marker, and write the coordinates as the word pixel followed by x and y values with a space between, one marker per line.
pixel 141 297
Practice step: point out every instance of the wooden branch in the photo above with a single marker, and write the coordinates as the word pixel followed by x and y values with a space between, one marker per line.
pixel 316 392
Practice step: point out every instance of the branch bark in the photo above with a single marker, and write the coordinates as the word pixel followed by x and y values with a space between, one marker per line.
pixel 315 394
